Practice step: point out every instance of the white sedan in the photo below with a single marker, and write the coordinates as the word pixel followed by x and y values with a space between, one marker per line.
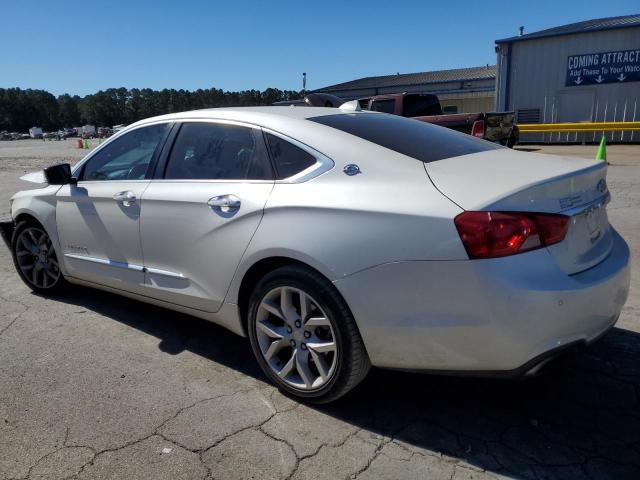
pixel 335 240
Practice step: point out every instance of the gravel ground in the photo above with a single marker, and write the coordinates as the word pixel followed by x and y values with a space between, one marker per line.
pixel 97 386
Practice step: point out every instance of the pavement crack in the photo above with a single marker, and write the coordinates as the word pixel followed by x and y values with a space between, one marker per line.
pixel 231 434
pixel 18 317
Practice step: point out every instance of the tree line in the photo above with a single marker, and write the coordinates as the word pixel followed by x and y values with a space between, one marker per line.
pixel 22 109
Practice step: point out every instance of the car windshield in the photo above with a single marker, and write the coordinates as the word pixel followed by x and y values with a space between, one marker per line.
pixel 413 138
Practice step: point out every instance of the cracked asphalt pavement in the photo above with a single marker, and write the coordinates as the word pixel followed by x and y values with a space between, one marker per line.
pixel 95 386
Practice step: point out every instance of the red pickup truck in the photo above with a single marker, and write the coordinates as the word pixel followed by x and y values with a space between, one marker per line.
pixel 495 126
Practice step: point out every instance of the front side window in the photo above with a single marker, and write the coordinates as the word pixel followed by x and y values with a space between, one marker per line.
pixel 127 157
pixel 288 158
pixel 384 106
pixel 212 151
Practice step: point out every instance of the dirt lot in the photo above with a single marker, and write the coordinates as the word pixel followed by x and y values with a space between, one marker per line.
pixel 96 386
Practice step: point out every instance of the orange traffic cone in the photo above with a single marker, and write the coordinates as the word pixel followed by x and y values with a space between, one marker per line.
pixel 79 143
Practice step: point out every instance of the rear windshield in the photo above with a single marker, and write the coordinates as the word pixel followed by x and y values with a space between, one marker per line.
pixel 421 106
pixel 413 138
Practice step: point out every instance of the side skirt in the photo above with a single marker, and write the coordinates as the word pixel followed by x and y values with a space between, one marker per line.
pixel 226 317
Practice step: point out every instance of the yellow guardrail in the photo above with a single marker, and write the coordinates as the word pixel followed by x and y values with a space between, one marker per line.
pixel 579 127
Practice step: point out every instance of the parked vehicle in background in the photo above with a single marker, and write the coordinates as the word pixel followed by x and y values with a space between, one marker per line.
pixel 478 259
pixel 89 131
pixel 117 128
pixel 313 100
pixel 35 132
pixel 496 127
pixel 104 132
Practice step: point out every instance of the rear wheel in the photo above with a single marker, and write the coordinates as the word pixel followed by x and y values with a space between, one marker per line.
pixel 35 258
pixel 304 336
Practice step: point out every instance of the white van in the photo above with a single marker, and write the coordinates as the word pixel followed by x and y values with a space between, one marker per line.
pixel 35 132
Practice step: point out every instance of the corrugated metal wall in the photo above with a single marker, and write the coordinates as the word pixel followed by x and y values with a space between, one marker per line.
pixel 468 104
pixel 536 80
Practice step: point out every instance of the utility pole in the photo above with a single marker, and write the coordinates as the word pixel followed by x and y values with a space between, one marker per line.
pixel 304 82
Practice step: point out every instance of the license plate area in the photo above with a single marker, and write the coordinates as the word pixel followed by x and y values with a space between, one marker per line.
pixel 589 226
pixel 588 240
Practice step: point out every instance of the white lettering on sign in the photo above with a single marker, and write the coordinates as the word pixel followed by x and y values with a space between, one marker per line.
pixel 604 67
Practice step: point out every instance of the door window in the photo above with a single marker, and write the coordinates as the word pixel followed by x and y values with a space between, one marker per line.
pixel 127 157
pixel 289 159
pixel 212 151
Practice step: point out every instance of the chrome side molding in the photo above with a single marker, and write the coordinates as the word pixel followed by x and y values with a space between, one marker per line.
pixel 129 266
pixel 103 261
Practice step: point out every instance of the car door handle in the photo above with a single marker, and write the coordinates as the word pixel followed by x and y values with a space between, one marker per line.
pixel 127 198
pixel 225 202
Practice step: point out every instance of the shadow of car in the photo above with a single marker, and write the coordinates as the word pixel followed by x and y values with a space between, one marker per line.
pixel 579 419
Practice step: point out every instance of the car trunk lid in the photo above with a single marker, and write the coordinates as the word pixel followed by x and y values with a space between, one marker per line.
pixel 507 180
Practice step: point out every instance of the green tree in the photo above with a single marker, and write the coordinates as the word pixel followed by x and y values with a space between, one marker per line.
pixel 69 108
pixel 22 109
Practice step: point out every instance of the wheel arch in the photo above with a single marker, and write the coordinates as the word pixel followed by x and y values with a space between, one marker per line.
pixel 43 212
pixel 256 272
pixel 28 217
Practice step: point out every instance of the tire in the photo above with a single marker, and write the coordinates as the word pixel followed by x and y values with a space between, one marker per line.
pixel 35 259
pixel 315 373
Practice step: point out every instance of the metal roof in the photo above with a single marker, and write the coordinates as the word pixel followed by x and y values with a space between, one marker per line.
pixel 598 24
pixel 402 79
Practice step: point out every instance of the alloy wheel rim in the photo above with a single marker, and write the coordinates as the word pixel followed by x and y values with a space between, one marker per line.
pixel 296 338
pixel 37 258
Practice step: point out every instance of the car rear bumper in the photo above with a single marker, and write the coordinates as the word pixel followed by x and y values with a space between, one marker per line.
pixel 500 316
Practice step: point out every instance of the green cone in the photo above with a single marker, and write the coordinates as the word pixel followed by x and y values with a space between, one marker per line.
pixel 602 150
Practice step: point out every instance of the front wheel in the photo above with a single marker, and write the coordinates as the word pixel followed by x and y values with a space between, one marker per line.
pixel 304 335
pixel 35 258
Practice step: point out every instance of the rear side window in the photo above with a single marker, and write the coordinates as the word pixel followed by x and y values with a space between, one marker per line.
pixel 289 159
pixel 421 105
pixel 384 106
pixel 211 151
pixel 413 138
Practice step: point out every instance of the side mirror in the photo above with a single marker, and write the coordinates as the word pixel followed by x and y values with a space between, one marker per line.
pixel 59 175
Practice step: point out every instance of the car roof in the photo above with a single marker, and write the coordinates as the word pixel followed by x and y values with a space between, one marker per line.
pixel 263 116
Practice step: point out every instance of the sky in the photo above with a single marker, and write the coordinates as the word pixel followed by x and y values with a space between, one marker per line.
pixel 82 47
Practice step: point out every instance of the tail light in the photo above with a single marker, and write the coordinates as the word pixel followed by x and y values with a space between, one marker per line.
pixel 477 130
pixel 498 234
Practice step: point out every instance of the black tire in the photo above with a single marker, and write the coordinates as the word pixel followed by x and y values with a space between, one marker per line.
pixel 48 286
pixel 352 360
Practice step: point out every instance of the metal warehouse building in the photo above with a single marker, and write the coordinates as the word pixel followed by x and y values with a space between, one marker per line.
pixel 459 90
pixel 585 71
